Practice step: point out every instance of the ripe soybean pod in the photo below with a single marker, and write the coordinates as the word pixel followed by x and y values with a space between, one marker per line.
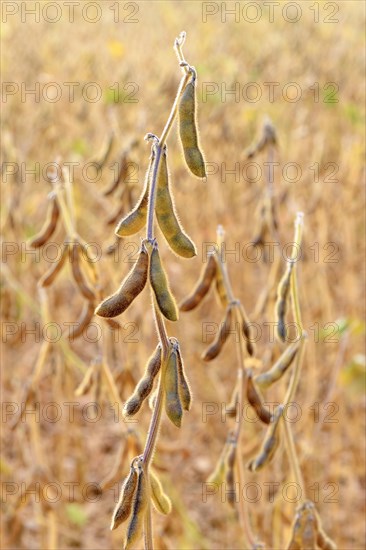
pixel 53 214
pixel 131 287
pixel 159 284
pixel 145 385
pixel 283 292
pixel 203 286
pixel 140 502
pixel 256 400
pixel 166 215
pixel 270 443
pixel 222 335
pixel 125 501
pixel 173 405
pixel 136 219
pixel 183 385
pixel 188 129
pixel 78 275
pixel 49 277
pixel 279 368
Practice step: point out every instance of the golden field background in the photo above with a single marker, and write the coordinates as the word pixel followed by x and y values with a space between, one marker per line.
pixel 309 132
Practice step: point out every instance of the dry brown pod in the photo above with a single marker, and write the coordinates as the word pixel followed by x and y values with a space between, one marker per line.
pixel 167 217
pixel 214 349
pixel 130 288
pixel 282 364
pixel 188 130
pixel 283 292
pixel 183 385
pixel 173 405
pixel 50 276
pixel 159 284
pixel 83 321
pixel 203 286
pixel 270 444
pixel 49 227
pixel 136 523
pixel 78 275
pixel 145 385
pixel 126 499
pixel 256 400
pixel 136 219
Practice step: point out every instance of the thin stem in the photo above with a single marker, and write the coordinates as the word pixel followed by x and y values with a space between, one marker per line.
pixel 155 420
pixel 290 394
pixel 241 384
pixel 299 223
pixel 292 455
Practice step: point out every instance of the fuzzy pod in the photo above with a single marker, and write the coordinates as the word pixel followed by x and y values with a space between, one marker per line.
pixel 130 288
pixel 159 284
pixel 166 215
pixel 183 385
pixel 145 385
pixel 141 499
pixel 256 400
pixel 270 444
pixel 78 275
pixel 283 292
pixel 203 286
pixel 126 499
pixel 160 499
pixel 83 321
pixel 279 368
pixel 188 131
pixel 136 219
pixel 49 277
pixel 173 405
pixel 49 227
pixel 221 337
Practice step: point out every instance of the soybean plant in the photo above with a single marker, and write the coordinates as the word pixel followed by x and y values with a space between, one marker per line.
pixel 165 367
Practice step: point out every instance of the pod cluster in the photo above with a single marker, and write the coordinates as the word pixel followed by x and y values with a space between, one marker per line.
pixel 165 211
pixel 138 488
pixel 211 275
pixel 148 266
pixel 75 253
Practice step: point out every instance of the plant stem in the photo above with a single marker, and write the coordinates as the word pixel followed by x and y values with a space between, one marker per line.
pixel 241 384
pixel 289 439
pixel 159 321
